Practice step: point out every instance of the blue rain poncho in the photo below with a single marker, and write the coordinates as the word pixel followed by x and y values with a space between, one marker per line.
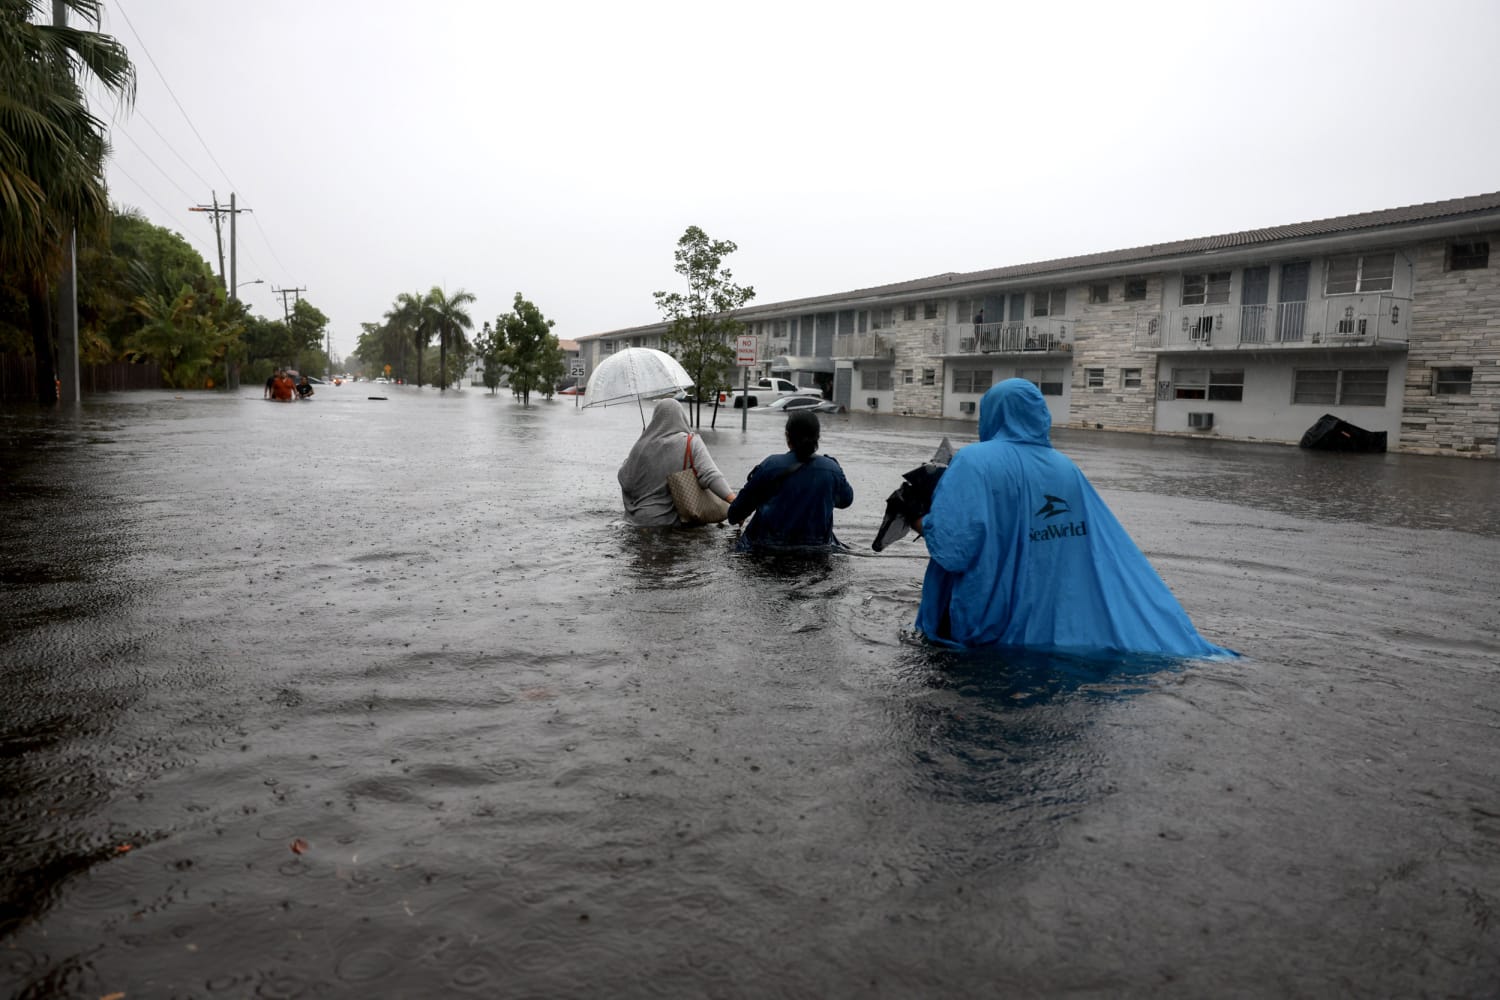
pixel 1024 553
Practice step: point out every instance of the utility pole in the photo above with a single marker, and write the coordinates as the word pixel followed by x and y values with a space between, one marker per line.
pixel 67 291
pixel 231 284
pixel 216 213
pixel 284 292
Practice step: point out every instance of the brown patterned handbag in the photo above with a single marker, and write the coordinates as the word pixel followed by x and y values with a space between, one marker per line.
pixel 695 505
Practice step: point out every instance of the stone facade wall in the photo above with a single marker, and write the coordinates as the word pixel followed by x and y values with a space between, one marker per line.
pixel 1104 337
pixel 1455 321
pixel 918 344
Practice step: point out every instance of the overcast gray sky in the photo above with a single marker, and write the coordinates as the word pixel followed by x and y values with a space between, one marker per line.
pixel 560 149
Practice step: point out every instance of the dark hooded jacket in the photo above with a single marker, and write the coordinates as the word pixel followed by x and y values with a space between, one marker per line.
pixel 1024 553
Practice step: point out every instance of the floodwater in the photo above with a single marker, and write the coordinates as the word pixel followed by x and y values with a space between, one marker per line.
pixel 383 698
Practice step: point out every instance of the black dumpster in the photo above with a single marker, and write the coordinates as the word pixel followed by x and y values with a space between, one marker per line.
pixel 1332 434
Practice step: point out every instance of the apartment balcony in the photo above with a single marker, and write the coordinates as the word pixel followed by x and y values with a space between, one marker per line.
pixel 766 348
pixel 1345 321
pixel 863 347
pixel 1037 336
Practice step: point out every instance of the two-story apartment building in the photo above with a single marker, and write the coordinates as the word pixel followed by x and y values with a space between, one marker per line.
pixel 1389 320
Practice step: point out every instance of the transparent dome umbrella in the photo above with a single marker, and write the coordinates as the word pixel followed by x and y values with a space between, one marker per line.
pixel 634 375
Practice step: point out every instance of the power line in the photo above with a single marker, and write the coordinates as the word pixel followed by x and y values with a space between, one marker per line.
pixel 138 113
pixel 173 93
pixel 267 241
pixel 162 76
pixel 167 211
pixel 158 166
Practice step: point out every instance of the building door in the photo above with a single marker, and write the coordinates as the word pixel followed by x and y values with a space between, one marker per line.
pixel 843 383
pixel 1255 290
pixel 1292 311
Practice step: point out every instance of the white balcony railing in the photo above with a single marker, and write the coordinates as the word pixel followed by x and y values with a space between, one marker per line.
pixel 863 346
pixel 1033 336
pixel 1345 321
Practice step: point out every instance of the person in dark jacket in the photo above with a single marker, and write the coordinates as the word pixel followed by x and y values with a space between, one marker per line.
pixel 792 495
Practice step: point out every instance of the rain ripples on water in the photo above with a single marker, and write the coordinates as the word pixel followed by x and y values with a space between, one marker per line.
pixel 384 698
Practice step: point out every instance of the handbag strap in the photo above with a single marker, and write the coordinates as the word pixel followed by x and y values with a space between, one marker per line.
pixel 687 458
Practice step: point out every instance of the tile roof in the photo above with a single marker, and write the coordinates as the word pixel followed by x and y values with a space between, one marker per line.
pixel 1452 209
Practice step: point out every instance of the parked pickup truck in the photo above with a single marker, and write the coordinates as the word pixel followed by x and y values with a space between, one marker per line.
pixel 762 391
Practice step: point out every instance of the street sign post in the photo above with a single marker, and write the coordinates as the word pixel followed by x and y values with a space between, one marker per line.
pixel 744 351
pixel 577 369
pixel 744 357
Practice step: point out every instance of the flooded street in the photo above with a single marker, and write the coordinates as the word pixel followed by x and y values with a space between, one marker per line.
pixel 384 698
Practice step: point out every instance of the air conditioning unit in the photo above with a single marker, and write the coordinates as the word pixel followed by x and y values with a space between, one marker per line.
pixel 967 406
pixel 1201 421
pixel 873 402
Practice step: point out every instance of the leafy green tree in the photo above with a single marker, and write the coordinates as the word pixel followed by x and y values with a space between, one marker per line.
pixel 701 326
pixel 529 355
pixel 487 350
pixel 382 344
pixel 305 330
pixel 135 259
pixel 52 150
pixel 447 316
pixel 190 334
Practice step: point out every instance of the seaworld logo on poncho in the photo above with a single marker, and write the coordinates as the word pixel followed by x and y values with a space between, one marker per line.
pixel 1054 507
pixel 1075 529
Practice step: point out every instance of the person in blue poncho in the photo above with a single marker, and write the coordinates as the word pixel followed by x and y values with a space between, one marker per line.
pixel 1024 553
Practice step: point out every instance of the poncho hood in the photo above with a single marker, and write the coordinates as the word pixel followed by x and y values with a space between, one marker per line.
pixel 1015 410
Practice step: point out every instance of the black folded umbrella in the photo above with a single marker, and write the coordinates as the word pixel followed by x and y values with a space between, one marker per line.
pixel 913 498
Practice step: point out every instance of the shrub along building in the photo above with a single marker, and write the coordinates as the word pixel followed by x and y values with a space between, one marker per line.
pixel 1389 320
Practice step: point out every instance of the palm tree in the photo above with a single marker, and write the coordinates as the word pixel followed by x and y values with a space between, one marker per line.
pixel 447 317
pixel 52 149
pixel 408 317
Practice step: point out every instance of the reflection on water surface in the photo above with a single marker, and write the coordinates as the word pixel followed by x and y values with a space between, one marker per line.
pixel 528 749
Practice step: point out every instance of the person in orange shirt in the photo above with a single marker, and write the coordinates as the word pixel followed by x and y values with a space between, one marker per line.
pixel 284 389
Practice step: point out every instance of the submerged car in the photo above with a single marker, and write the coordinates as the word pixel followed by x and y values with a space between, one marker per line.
pixel 816 404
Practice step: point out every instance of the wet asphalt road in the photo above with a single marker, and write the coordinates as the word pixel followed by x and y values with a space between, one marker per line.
pixel 382 698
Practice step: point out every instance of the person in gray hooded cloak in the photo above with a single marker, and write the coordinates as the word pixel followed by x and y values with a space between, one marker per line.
pixel 660 451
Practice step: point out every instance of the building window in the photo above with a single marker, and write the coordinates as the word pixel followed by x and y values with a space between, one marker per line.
pixel 875 378
pixel 1468 256
pixel 1093 378
pixel 909 311
pixel 1130 378
pixel 972 379
pixel 930 309
pixel 1353 273
pixel 1339 386
pixel 929 376
pixel 906 376
pixel 1049 380
pixel 1051 303
pixel 1226 385
pixel 1205 289
pixel 1135 289
pixel 1099 293
pixel 1189 383
pixel 881 319
pixel 1452 381
pixel 1315 385
pixel 1204 383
